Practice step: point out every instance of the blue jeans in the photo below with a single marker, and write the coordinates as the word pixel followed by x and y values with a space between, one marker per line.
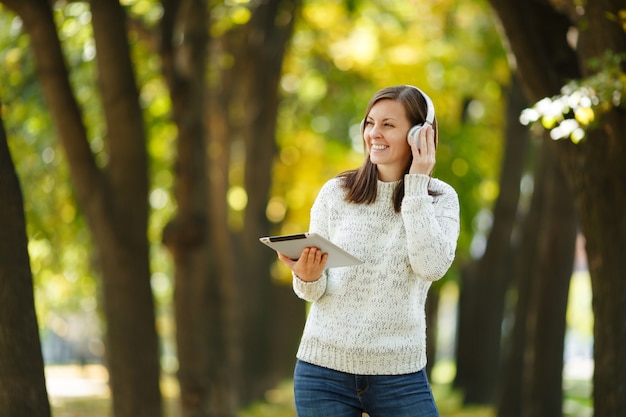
pixel 322 392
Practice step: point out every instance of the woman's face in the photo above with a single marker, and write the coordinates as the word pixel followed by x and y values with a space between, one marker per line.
pixel 386 127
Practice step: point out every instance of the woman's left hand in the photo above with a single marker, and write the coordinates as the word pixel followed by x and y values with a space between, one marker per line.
pixel 423 149
pixel 309 267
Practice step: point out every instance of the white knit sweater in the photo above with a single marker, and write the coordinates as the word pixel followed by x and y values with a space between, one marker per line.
pixel 369 319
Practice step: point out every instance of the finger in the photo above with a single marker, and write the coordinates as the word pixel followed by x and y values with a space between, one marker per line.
pixel 315 256
pixel 286 260
pixel 428 139
pixel 308 254
pixel 323 259
pixel 431 137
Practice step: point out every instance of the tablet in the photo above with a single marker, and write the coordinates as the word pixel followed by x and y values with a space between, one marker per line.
pixel 292 246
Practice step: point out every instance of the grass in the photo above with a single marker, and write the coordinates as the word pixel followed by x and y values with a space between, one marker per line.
pixel 92 398
pixel 82 392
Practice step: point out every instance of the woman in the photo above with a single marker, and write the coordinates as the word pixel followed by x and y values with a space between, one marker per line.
pixel 363 348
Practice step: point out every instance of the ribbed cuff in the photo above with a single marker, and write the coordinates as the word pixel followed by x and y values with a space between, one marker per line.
pixel 416 184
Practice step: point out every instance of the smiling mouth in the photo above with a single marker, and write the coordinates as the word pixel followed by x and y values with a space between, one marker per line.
pixel 379 147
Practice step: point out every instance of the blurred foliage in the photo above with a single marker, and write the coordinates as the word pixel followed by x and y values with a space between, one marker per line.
pixel 582 102
pixel 340 54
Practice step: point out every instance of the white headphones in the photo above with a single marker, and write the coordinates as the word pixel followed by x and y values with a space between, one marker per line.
pixel 430 117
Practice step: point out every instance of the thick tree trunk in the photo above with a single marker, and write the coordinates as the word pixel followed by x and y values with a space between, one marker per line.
pixel 115 202
pixel 537 37
pixel 599 179
pixel 22 382
pixel 597 173
pixel 120 227
pixel 604 227
pixel 486 282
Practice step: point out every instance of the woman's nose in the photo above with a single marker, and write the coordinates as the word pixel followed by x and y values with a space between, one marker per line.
pixel 374 130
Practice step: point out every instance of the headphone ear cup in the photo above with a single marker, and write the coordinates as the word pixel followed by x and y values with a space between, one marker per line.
pixel 413 132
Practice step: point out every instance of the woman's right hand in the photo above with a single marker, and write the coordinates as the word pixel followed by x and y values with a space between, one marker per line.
pixel 309 267
pixel 423 149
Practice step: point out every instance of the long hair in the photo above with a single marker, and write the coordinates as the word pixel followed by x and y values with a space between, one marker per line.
pixel 361 184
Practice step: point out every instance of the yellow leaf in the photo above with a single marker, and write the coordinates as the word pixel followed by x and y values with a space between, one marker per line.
pixel 548 122
pixel 584 115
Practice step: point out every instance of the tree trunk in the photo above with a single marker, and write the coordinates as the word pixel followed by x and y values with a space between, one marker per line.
pixel 486 282
pixel 596 170
pixel 545 323
pixel 532 383
pixel 120 227
pixel 468 297
pixel 432 316
pixel 115 200
pixel 537 35
pixel 263 68
pixel 510 403
pixel 22 382
pixel 244 109
pixel 204 387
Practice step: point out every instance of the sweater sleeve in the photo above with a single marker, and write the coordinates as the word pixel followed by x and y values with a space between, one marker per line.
pixel 309 291
pixel 312 291
pixel 432 225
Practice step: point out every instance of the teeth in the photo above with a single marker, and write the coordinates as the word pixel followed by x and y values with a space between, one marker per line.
pixel 379 147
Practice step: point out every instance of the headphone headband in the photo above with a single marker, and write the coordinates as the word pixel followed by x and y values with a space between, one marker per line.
pixel 430 108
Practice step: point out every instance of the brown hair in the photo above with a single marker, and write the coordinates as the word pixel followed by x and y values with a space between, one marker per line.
pixel 361 184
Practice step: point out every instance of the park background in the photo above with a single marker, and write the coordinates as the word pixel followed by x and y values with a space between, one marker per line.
pixel 155 141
